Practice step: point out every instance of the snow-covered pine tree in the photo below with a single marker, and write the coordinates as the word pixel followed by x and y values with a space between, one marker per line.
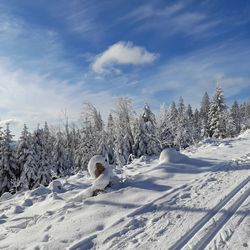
pixel 105 149
pixel 8 167
pixel 28 158
pixel 182 137
pixel 236 117
pixel 86 147
pixel 229 123
pixel 248 114
pixel 22 150
pixel 204 111
pixel 46 167
pixel 137 130
pixel 144 133
pixel 190 125
pixel 61 164
pixel 245 114
pixel 123 115
pixel 72 143
pixel 44 175
pixel 217 122
pixel 173 120
pixel 164 131
pixel 91 136
pixel 2 177
pixel 197 126
pixel 111 139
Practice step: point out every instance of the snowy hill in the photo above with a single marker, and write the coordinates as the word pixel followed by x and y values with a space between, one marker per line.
pixel 198 199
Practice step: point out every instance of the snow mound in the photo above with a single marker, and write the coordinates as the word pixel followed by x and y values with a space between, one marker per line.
pixel 92 164
pixel 171 155
pixel 5 196
pixel 40 191
pixel 17 210
pixel 56 186
pixel 27 203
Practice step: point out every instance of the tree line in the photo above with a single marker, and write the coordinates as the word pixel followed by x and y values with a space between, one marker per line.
pixel 45 154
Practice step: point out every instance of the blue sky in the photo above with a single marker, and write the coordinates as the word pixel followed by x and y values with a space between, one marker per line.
pixel 57 54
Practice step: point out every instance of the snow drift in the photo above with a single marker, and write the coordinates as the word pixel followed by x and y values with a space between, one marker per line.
pixel 151 204
pixel 171 155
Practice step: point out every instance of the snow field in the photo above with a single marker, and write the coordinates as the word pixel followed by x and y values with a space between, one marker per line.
pixel 152 204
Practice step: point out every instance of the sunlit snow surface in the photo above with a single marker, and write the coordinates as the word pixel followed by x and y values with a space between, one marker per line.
pixel 197 198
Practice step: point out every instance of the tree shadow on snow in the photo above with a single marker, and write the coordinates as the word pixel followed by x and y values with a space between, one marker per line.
pixel 170 208
pixel 191 166
pixel 197 166
pixel 148 184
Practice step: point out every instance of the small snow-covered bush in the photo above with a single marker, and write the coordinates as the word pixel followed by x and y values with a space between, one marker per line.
pixel 92 164
pixel 99 170
pixel 101 181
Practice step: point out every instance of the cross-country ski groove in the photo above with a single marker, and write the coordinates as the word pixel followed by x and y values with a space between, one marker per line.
pixel 191 240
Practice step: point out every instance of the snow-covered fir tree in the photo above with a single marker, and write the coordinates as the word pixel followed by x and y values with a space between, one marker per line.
pixel 30 161
pixel 111 139
pixel 61 163
pixel 22 149
pixel 92 136
pixel 8 166
pixel 173 120
pixel 197 127
pixel 86 147
pixel 123 115
pixel 245 114
pixel 229 124
pixel 44 169
pixel 204 111
pixel 190 125
pixel 72 141
pixel 145 137
pixel 164 131
pixel 181 137
pixel 236 117
pixel 216 116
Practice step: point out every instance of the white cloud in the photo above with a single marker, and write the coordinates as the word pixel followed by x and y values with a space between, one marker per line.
pixel 122 53
pixel 12 122
pixel 34 98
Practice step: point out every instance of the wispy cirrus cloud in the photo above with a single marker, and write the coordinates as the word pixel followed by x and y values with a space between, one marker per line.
pixel 33 98
pixel 193 74
pixel 171 19
pixel 122 53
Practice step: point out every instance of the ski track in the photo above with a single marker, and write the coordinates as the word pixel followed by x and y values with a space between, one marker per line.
pixel 210 225
pixel 149 207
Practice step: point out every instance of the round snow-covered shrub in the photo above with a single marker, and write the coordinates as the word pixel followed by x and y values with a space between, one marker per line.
pixel 171 155
pixel 92 164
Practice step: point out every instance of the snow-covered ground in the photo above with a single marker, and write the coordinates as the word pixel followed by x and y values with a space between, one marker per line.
pixel 194 201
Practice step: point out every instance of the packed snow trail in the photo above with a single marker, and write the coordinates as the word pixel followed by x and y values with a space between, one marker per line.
pixel 206 229
pixel 151 205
